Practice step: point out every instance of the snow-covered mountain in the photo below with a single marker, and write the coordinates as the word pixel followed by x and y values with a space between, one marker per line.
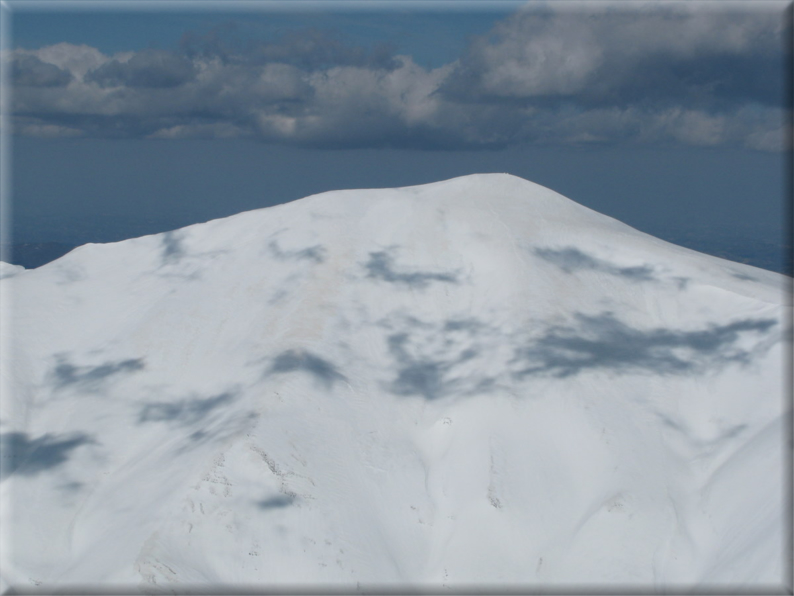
pixel 477 382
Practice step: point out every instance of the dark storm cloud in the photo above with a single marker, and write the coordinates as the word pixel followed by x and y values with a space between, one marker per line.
pixel 152 69
pixel 29 71
pixel 598 55
pixel 685 73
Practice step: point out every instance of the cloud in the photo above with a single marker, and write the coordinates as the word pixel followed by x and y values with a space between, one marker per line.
pixel 47 131
pixel 77 59
pixel 679 73
pixel 528 55
pixel 29 71
pixel 603 52
pixel 154 69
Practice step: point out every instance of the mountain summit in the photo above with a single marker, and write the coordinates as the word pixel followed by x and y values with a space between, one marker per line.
pixel 476 382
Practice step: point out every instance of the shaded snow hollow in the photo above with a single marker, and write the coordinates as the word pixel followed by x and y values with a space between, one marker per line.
pixel 471 384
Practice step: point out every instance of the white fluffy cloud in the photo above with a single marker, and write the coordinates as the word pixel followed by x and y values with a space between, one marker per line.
pixel 595 51
pixel 656 72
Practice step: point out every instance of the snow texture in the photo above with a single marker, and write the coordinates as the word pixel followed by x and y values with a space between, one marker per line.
pixel 9 270
pixel 472 383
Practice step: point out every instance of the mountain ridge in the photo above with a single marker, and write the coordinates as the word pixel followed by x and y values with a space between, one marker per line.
pixel 472 382
pixel 612 229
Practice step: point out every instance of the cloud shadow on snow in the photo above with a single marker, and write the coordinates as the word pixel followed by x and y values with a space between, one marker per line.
pixel 303 361
pixel 172 249
pixel 434 360
pixel 90 378
pixel 571 259
pixel 468 357
pixel 744 277
pixel 177 261
pixel 381 266
pixel 603 342
pixel 277 502
pixel 185 411
pixel 428 377
pixel 29 457
pixel 315 253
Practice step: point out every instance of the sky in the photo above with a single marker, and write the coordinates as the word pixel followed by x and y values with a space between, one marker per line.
pixel 134 119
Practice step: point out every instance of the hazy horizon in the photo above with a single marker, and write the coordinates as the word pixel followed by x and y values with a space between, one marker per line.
pixel 131 121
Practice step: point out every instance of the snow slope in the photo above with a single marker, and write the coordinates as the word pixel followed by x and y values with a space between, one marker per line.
pixel 472 383
pixel 9 270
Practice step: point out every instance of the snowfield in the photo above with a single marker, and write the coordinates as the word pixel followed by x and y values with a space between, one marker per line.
pixel 472 384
